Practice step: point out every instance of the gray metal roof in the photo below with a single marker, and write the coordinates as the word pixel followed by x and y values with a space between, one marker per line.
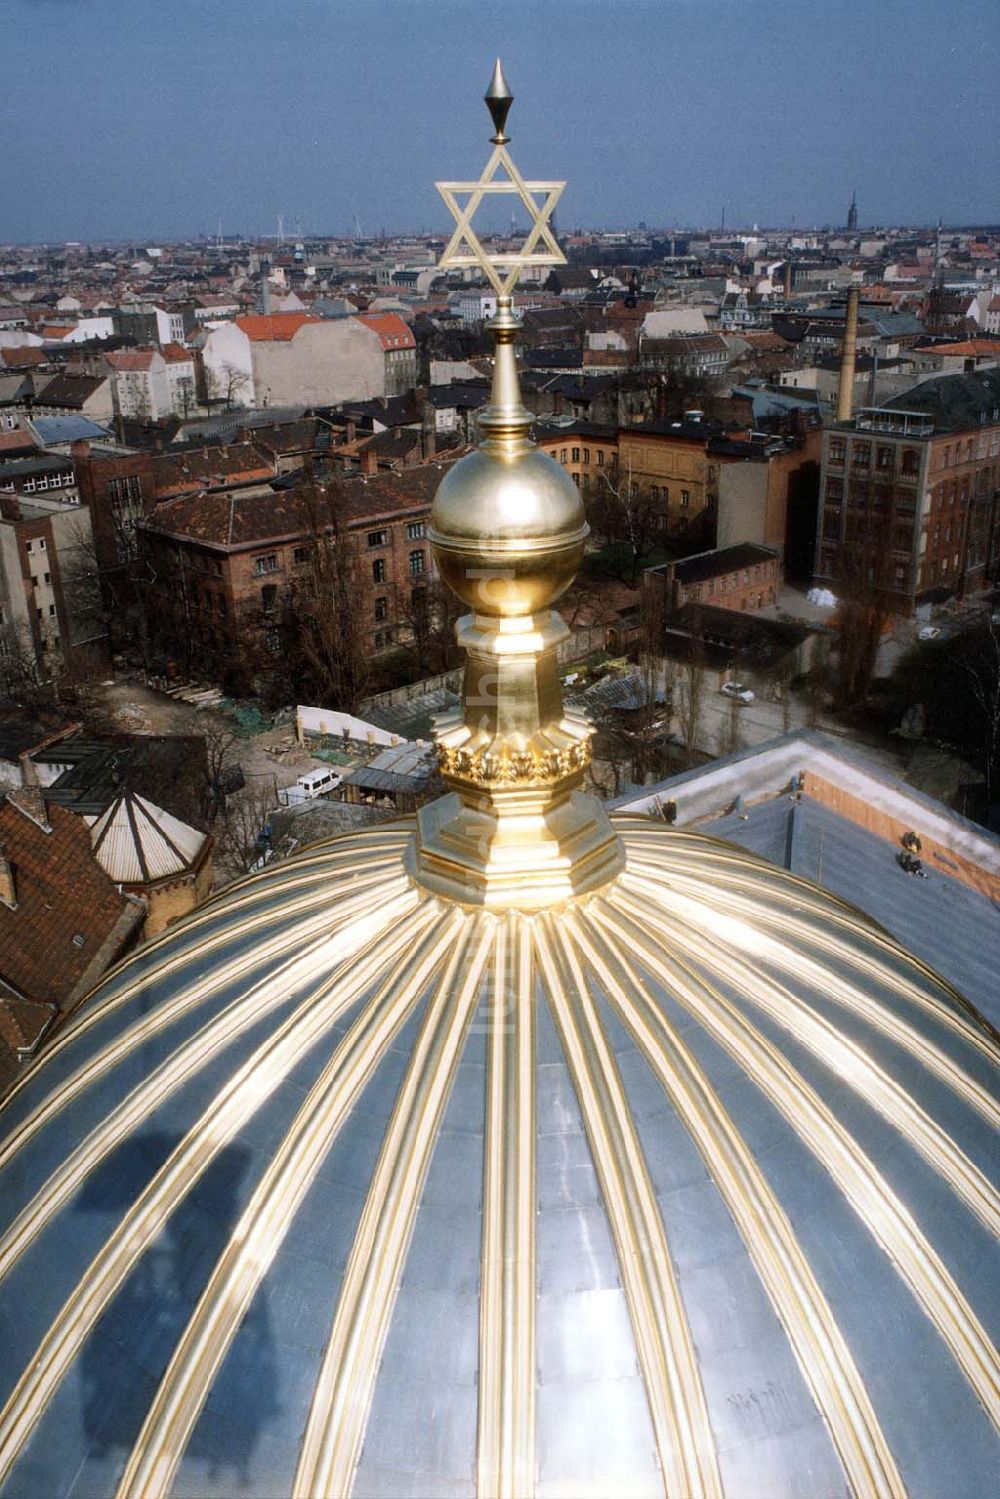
pixel 684 1189
pixel 53 429
pixel 941 919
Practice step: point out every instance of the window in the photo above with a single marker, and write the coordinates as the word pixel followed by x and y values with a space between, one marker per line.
pixel 52 610
pixel 562 454
pixel 378 538
pixel 911 463
pixel 381 609
pixel 837 449
pixel 47 577
pixel 576 455
pixel 383 639
pixel 576 479
pixel 125 498
pixel 418 564
pixel 41 543
pixel 883 458
pixel 268 563
pixel 861 455
pixel 378 570
pixel 600 458
pixel 268 597
pixel 415 530
pixel 301 554
pixel 586 455
pixel 685 499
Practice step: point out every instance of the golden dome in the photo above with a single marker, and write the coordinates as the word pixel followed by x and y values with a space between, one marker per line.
pixel 509 1150
pixel 343 1188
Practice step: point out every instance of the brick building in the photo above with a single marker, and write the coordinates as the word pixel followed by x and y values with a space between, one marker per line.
pixel 910 491
pixel 229 562
pixel 671 463
pixel 743 577
pixel 587 450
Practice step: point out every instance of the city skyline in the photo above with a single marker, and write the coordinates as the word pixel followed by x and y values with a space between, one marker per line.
pixel 160 130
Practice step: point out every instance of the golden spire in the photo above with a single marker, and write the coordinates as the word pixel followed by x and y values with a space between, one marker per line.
pixel 508 533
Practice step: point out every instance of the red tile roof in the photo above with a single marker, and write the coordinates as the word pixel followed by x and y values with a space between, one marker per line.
pixel 391 329
pixel 273 327
pixel 17 442
pixel 969 347
pixel 22 358
pixel 176 354
pixel 131 359
pixel 251 517
pixel 197 469
pixel 62 893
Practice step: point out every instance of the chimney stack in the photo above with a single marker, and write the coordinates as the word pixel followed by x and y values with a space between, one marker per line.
pixel 369 461
pixel 845 390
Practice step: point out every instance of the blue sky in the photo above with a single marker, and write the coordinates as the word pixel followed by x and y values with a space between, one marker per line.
pixel 154 118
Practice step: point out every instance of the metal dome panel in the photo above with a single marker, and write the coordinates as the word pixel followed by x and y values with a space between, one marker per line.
pixel 340 1188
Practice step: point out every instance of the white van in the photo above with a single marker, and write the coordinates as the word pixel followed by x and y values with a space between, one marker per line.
pixel 316 783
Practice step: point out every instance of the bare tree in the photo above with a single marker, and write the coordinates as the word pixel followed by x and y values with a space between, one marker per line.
pixel 621 512
pixel 113 584
pixel 328 652
pixel 692 681
pixel 864 564
pixel 430 611
pixel 226 385
pixel 730 734
pixel 690 698
pixel 242 831
pixel 982 669
pixel 22 680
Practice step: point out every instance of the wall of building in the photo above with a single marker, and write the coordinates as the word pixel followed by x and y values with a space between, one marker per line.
pixel 168 902
pixel 228 365
pixel 743 505
pixel 935 499
pixel 680 475
pixel 588 460
pixel 324 364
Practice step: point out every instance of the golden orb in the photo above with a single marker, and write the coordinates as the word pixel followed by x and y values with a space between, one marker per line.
pixel 508 532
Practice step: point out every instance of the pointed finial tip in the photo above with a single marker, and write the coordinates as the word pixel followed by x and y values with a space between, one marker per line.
pixel 498 101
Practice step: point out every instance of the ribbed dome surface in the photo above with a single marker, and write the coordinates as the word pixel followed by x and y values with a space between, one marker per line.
pixel 338 1188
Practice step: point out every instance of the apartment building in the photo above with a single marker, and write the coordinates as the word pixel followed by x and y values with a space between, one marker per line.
pixel 909 493
pixel 230 562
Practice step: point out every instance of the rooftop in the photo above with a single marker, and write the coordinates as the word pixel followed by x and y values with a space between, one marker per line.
pixel 232 519
pixel 844 833
pixel 722 560
pixel 68 912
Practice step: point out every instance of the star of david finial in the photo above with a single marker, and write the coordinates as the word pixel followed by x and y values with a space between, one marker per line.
pixel 464 248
